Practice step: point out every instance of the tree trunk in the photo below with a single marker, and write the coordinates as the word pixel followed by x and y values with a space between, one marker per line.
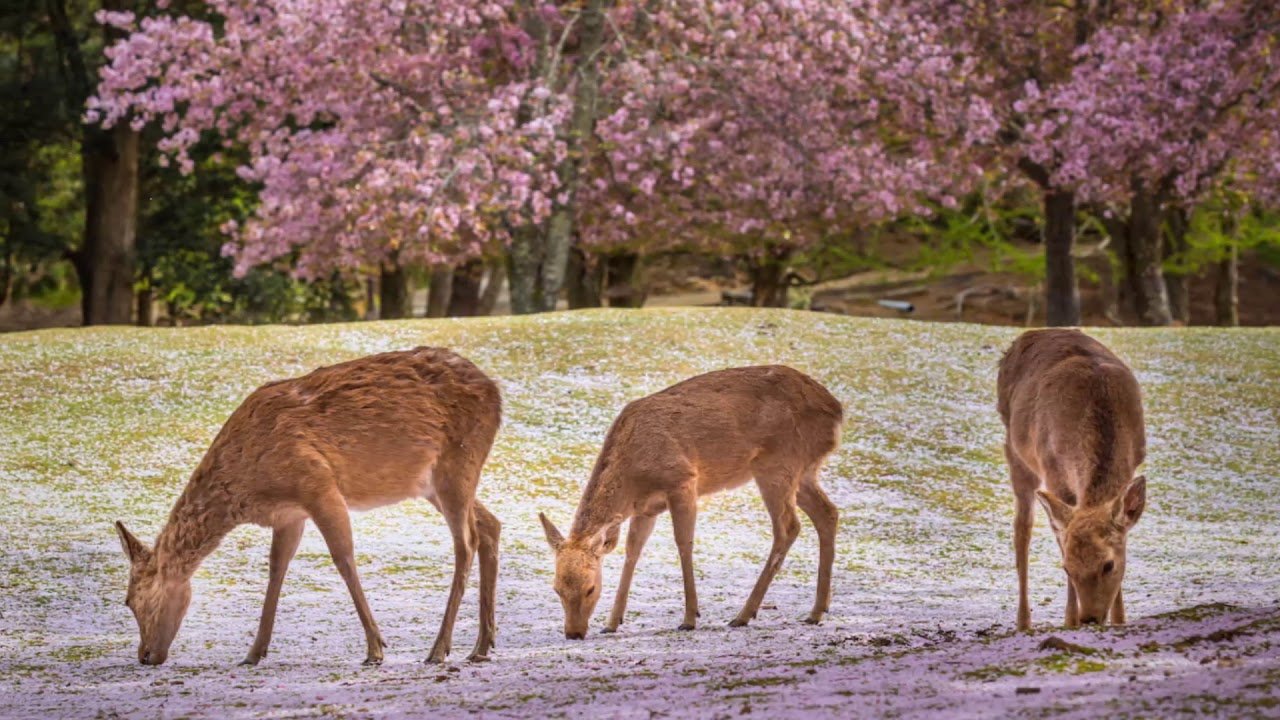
pixel 582 122
pixel 464 296
pixel 439 291
pixel 769 278
pixel 394 301
pixel 1149 292
pixel 105 262
pixel 523 261
pixel 492 288
pixel 586 280
pixel 1062 298
pixel 145 313
pixel 623 284
pixel 1177 280
pixel 1226 291
pixel 370 299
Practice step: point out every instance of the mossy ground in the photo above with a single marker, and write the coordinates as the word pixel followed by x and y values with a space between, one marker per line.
pixel 106 423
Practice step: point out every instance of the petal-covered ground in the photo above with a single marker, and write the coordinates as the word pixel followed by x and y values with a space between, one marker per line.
pixel 105 424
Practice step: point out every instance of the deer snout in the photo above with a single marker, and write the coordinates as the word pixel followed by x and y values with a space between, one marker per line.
pixel 147 656
pixel 1091 620
pixel 577 635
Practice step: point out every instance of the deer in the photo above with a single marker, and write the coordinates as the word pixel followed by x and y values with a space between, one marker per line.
pixel 1074 440
pixel 710 433
pixel 353 436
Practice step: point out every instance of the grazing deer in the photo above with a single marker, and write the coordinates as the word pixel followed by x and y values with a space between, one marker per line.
pixel 1072 412
pixel 709 433
pixel 353 436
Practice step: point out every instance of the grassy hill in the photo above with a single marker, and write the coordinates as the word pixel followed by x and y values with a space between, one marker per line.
pixel 106 423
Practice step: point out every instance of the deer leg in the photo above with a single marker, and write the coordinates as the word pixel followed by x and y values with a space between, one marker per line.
pixel 1073 609
pixel 1023 520
pixel 1117 608
pixel 284 544
pixel 462 523
pixel 488 530
pixel 779 498
pixel 335 525
pixel 684 516
pixel 637 535
pixel 826 519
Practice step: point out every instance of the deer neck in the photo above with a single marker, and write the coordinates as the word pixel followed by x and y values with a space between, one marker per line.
pixel 603 501
pixel 201 517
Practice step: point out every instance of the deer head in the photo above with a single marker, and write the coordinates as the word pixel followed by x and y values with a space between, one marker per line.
pixel 1092 540
pixel 158 602
pixel 578 573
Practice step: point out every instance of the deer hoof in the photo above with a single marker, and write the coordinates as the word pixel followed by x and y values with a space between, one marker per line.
pixel 477 658
pixel 608 630
pixel 686 627
pixel 738 622
pixel 372 661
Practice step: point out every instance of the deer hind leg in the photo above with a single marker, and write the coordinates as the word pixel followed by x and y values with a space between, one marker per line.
pixel 488 530
pixel 779 494
pixel 1024 484
pixel 637 535
pixel 826 519
pixel 284 544
pixel 1023 520
pixel 684 517
pixel 331 518
pixel 1072 615
pixel 455 496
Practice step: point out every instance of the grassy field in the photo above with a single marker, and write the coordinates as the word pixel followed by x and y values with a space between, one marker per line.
pixel 105 424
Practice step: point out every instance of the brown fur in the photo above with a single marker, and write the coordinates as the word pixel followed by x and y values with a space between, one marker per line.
pixel 364 433
pixel 709 433
pixel 1072 411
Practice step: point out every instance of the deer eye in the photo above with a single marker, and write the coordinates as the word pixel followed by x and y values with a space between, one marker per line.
pixel 591 590
pixel 1107 567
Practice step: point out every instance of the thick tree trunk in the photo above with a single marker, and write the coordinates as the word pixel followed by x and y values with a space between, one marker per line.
pixel 624 286
pixel 1226 291
pixel 586 280
pixel 769 278
pixel 394 301
pixel 439 291
pixel 559 227
pixel 464 296
pixel 523 261
pixel 145 313
pixel 1149 292
pixel 105 263
pixel 1177 281
pixel 492 288
pixel 1062 298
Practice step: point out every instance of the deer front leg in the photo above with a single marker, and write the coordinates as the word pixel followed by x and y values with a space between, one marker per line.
pixel 488 529
pixel 1117 608
pixel 637 536
pixel 779 498
pixel 1023 520
pixel 284 544
pixel 1072 619
pixel 334 524
pixel 684 515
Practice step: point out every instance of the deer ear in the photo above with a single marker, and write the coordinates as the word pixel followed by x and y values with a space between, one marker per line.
pixel 554 538
pixel 133 547
pixel 1059 512
pixel 1135 501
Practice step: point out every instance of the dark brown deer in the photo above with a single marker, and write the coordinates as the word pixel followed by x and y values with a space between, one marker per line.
pixel 709 433
pixel 353 436
pixel 1074 438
